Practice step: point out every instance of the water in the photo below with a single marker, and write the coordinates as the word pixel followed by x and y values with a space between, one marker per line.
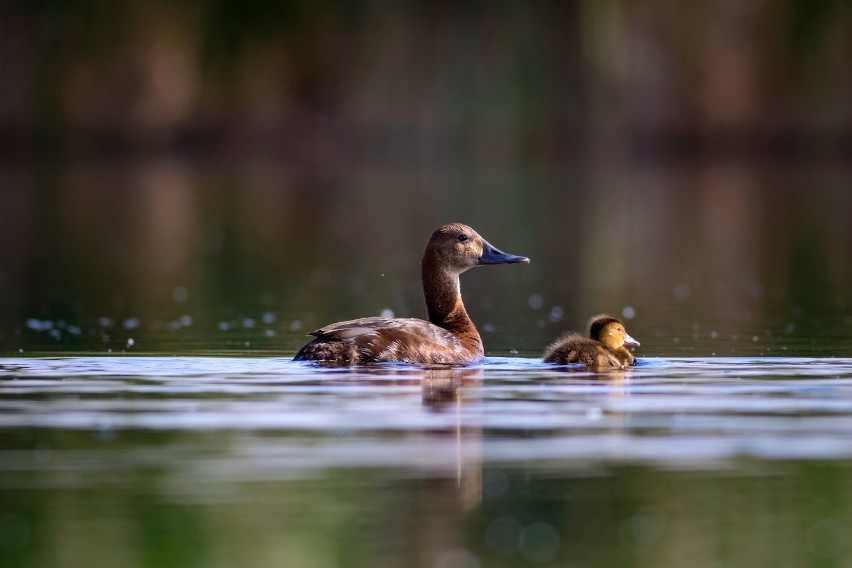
pixel 212 461
pixel 150 414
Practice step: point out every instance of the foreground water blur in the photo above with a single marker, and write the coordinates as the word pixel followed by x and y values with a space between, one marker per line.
pixel 206 461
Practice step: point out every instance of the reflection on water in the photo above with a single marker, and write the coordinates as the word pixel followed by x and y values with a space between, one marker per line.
pixel 179 460
pixel 171 256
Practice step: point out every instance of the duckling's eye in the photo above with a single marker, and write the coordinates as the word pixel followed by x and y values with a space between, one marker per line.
pixel 462 238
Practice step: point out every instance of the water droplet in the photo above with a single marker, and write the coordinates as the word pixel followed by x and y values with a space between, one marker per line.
pixel 186 320
pixel 268 318
pixel 556 313
pixel 539 542
pixel 295 325
pixel 682 291
pixel 224 326
pixel 131 323
pixel 248 323
pixel 713 335
pixel 628 312
pixel 488 328
pixel 269 332
pixel 495 483
pixel 535 301
pixel 180 294
pixel 754 338
pixel 387 312
pixel 130 342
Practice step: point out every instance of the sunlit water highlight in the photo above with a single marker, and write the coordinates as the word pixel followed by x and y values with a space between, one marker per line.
pixel 291 419
pixel 216 461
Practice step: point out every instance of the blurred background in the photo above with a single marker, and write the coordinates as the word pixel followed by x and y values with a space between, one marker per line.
pixel 228 174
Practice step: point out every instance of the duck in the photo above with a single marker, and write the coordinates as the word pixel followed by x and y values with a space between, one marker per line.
pixel 605 346
pixel 449 337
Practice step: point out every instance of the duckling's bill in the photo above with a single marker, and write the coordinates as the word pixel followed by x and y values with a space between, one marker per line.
pixel 630 341
pixel 493 255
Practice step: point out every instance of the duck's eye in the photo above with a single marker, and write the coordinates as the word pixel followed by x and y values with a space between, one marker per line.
pixel 462 238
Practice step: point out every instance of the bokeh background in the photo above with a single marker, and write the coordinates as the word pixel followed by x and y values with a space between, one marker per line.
pixel 188 176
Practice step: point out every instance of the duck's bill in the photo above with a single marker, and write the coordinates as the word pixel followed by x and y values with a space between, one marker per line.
pixel 630 341
pixel 493 255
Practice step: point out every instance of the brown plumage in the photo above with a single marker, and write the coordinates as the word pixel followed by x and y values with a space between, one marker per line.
pixel 604 347
pixel 449 337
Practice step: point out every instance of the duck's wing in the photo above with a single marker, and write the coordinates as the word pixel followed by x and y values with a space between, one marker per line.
pixel 377 339
pixel 349 330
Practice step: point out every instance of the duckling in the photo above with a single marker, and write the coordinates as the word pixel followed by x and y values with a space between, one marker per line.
pixel 604 347
pixel 449 337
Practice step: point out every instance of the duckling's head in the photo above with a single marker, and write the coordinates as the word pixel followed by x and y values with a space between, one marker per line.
pixel 610 332
pixel 456 247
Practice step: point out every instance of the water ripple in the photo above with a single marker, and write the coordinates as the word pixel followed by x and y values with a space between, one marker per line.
pixel 261 418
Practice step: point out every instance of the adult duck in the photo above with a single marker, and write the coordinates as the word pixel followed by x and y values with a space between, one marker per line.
pixel 448 338
pixel 605 345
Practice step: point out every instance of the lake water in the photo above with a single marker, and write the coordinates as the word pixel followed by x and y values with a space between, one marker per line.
pixel 150 414
pixel 219 461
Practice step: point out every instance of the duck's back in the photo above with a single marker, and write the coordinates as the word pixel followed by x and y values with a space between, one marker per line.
pixel 379 340
pixel 576 348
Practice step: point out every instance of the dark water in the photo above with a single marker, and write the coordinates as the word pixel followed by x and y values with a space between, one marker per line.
pixel 150 414
pixel 206 461
pixel 187 188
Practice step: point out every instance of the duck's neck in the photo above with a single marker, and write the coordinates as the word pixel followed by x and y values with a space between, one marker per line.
pixel 444 304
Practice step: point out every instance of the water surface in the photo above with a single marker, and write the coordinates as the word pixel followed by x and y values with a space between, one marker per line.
pixel 216 460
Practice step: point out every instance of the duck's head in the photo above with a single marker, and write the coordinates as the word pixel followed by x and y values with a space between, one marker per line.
pixel 457 247
pixel 610 332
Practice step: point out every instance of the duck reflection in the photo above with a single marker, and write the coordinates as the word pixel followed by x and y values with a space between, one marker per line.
pixel 447 390
pixel 444 387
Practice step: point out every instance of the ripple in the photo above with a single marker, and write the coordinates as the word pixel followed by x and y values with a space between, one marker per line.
pixel 262 418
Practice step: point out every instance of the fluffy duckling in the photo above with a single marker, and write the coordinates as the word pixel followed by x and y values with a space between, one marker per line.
pixel 448 338
pixel 604 347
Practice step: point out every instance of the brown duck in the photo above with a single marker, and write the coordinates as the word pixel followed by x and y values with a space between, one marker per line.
pixel 604 347
pixel 449 337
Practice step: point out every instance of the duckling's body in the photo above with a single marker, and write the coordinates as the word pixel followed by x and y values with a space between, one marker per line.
pixel 604 347
pixel 449 337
